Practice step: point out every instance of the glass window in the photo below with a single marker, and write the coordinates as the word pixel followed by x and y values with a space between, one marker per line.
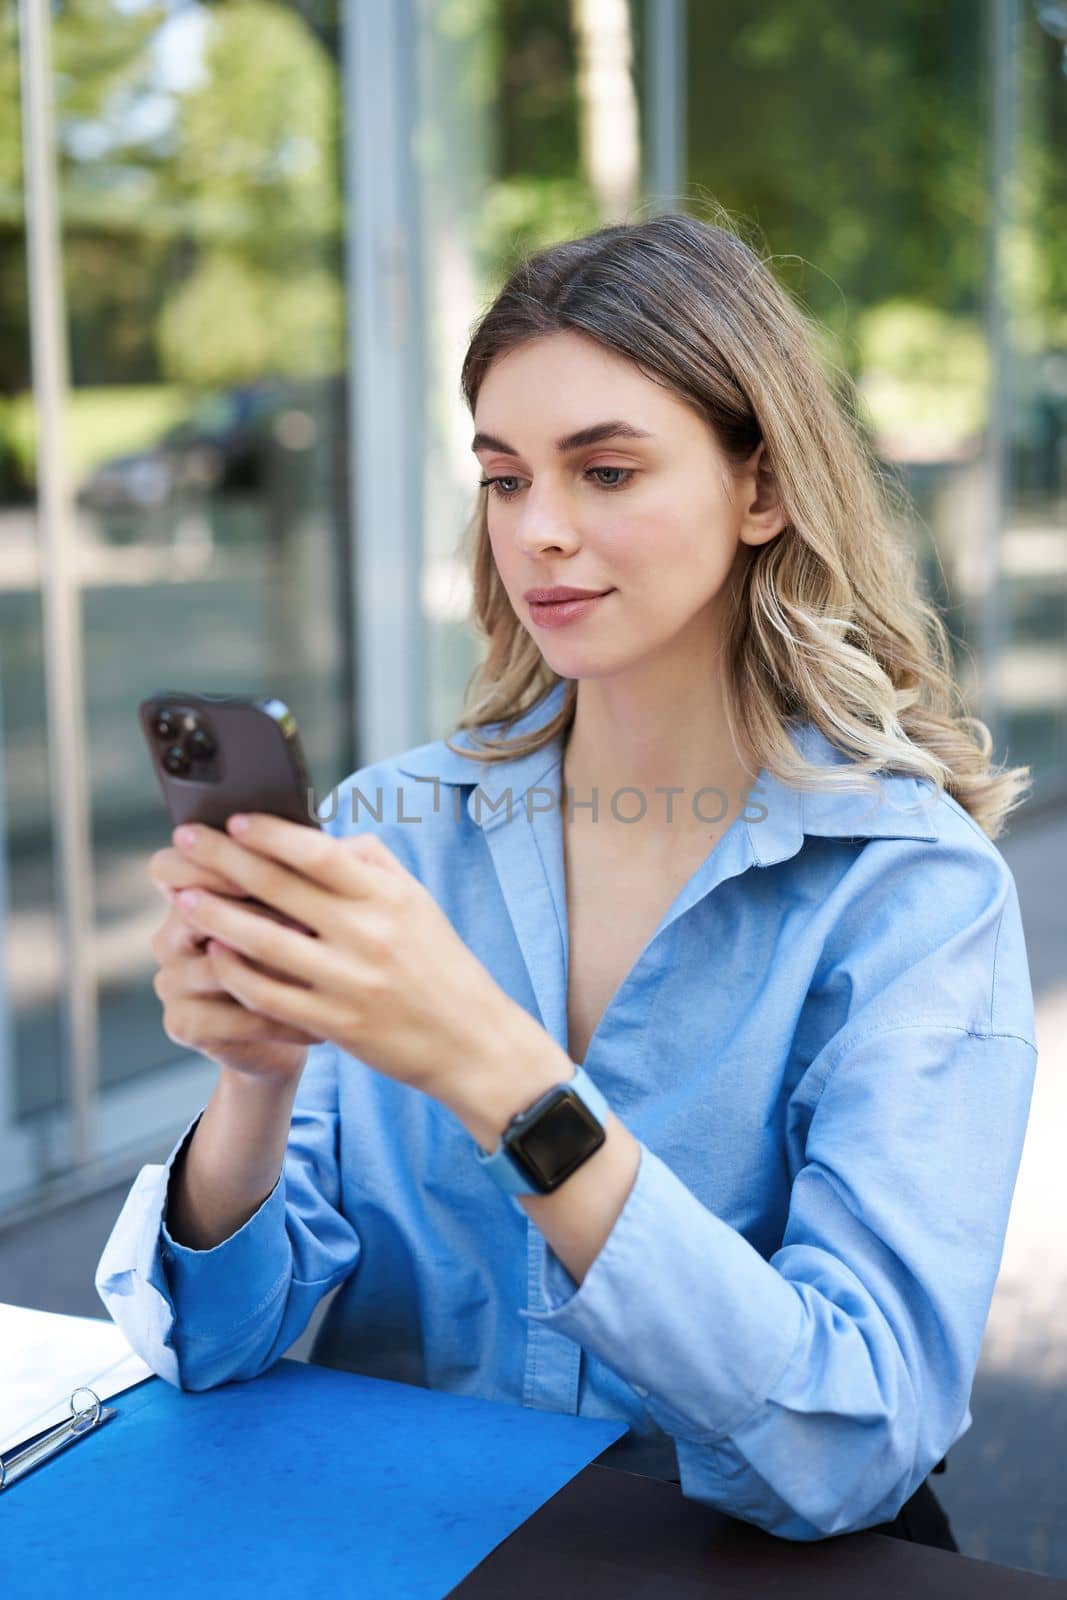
pixel 1033 679
pixel 889 157
pixel 198 152
pixel 857 139
pixel 31 975
pixel 889 152
pixel 518 145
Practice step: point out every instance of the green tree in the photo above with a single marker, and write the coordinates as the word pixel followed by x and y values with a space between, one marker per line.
pixel 255 172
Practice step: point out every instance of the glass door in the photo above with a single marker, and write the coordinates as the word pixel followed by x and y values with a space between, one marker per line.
pixel 205 450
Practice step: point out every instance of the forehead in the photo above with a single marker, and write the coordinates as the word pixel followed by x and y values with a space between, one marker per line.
pixel 560 382
pixel 552 355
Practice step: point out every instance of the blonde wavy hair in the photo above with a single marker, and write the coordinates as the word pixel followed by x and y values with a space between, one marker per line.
pixel 830 624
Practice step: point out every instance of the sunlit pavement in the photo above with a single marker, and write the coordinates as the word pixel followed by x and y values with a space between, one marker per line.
pixel 1005 1490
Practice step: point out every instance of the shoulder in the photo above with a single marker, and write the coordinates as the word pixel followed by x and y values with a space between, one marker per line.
pixel 927 844
pixel 937 928
pixel 902 821
pixel 923 913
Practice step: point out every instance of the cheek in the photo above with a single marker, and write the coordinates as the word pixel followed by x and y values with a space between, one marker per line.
pixel 671 571
pixel 503 549
pixel 625 542
pixel 500 536
pixel 657 550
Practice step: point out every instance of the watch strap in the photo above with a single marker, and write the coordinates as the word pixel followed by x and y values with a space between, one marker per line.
pixel 505 1172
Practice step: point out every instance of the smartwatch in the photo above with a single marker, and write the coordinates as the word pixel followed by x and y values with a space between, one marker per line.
pixel 542 1146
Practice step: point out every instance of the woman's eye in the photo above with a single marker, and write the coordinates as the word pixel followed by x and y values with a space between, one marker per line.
pixel 496 484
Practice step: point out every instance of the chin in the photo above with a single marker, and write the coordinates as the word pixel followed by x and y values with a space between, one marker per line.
pixel 586 663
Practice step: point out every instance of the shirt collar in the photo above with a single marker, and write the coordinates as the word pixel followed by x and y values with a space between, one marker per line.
pixel 903 810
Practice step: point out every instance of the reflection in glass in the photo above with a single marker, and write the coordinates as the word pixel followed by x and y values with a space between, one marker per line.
pixel 202 253
pixel 1033 682
pixel 528 132
pixel 884 169
pixel 31 968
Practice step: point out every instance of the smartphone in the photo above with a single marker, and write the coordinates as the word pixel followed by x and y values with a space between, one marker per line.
pixel 215 754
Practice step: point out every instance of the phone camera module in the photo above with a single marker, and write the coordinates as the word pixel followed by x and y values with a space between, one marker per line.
pixel 189 748
pixel 176 761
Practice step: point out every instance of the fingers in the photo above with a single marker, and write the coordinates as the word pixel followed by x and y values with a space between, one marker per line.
pixel 191 974
pixel 260 877
pixel 197 974
pixel 285 1001
pixel 355 867
pixel 301 870
pixel 175 937
pixel 169 871
pixel 249 903
pixel 265 941
pixel 207 1024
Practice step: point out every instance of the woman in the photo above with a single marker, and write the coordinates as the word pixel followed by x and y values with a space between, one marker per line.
pixel 661 1045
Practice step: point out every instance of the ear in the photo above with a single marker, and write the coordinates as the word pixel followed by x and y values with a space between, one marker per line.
pixel 762 517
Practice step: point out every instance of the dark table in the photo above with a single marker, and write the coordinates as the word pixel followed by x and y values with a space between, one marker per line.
pixel 618 1535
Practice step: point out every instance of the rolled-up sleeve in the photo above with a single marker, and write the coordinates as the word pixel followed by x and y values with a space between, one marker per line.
pixel 203 1317
pixel 811 1393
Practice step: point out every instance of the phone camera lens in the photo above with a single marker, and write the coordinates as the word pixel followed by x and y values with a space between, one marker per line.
pixel 200 744
pixel 176 761
pixel 165 725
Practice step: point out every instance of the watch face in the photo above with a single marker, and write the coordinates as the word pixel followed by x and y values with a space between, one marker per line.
pixel 562 1135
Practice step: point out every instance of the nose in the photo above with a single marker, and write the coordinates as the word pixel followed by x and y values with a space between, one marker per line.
pixel 544 526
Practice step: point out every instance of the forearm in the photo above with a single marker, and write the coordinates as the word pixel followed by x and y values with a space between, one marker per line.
pixel 577 1218
pixel 233 1160
pixel 513 1063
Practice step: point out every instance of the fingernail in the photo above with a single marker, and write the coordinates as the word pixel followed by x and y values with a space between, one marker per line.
pixel 189 898
pixel 238 824
pixel 184 837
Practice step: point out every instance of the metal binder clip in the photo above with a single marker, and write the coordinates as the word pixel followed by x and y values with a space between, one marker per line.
pixel 64 1433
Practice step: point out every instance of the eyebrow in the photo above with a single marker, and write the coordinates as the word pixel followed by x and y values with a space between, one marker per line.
pixel 595 434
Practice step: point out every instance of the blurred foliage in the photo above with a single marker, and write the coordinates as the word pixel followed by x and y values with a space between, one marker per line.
pixel 10 127
pixel 857 140
pixel 524 213
pixel 539 193
pixel 230 322
pixel 101 72
pixel 202 213
pixel 856 137
pixel 923 370
pixel 99 423
pixel 536 87
pixel 255 144
pixel 202 221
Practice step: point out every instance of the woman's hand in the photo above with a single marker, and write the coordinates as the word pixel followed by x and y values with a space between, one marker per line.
pixel 373 963
pixel 197 1011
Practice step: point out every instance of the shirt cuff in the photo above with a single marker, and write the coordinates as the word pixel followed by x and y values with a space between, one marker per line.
pixel 681 1306
pixel 214 1292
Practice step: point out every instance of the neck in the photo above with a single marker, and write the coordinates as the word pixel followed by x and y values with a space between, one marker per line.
pixel 663 732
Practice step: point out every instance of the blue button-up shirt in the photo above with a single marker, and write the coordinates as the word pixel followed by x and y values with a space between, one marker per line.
pixel 826 1053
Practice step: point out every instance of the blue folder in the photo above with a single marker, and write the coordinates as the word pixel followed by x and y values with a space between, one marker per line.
pixel 303 1481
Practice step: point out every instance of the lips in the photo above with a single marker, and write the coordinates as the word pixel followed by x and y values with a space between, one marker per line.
pixel 558 613
pixel 550 596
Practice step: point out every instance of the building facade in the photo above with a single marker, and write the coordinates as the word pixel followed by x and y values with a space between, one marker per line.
pixel 242 245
